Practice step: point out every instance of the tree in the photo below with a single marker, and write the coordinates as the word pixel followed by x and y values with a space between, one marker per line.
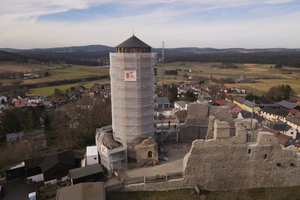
pixel 172 93
pixel 214 90
pixel 16 82
pixel 190 96
pixel 278 65
pixel 250 97
pixel 58 93
pixel 280 92
pixel 47 122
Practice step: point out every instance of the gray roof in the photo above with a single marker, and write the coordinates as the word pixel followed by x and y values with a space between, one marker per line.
pixel 65 157
pixel 182 103
pixel 85 171
pixel 34 162
pixel 280 126
pixel 230 104
pixel 287 104
pixel 293 120
pixel 269 110
pixel 161 100
pixel 133 42
pixel 82 191
pixel 239 100
pixel 14 136
pixel 250 104
pixel 246 115
pixel 269 105
pixel 281 112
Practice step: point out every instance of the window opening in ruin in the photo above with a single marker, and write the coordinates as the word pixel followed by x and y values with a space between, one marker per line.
pixel 292 164
pixel 149 154
pixel 249 151
pixel 265 157
pixel 278 164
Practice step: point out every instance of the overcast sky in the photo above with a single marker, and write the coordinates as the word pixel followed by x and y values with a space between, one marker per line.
pixel 180 23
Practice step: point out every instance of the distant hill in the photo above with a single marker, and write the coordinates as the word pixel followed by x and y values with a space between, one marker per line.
pixel 64 49
pixel 195 50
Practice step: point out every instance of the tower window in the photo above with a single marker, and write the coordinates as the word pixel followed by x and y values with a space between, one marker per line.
pixel 249 151
pixel 265 157
pixel 149 154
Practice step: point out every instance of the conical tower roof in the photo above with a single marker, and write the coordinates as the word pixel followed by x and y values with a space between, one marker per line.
pixel 133 42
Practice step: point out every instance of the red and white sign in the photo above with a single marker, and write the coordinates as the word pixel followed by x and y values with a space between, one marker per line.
pixel 130 76
pixel 103 150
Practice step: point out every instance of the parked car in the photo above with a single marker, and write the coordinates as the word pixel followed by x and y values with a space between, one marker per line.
pixel 1 191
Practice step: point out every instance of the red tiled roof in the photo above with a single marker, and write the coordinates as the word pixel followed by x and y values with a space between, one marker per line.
pixel 19 102
pixel 283 139
pixel 31 105
pixel 294 111
pixel 221 102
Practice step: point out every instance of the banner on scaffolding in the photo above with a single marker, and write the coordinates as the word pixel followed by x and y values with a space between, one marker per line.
pixel 130 76
pixel 103 150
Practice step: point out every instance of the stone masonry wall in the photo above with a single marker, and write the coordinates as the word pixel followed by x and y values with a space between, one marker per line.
pixel 232 163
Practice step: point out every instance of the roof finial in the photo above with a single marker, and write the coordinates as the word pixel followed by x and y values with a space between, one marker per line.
pixel 133 32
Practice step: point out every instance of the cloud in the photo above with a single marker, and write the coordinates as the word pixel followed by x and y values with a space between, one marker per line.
pixel 277 1
pixel 177 22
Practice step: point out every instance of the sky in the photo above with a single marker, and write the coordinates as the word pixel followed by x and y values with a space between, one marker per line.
pixel 27 24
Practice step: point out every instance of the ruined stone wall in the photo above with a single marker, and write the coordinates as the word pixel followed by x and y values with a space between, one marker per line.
pixel 204 115
pixel 189 134
pixel 232 163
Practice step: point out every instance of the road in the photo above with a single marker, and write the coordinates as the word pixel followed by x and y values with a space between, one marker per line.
pixel 17 190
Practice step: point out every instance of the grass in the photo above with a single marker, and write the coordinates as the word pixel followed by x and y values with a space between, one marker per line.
pixel 258 71
pixel 49 91
pixel 76 71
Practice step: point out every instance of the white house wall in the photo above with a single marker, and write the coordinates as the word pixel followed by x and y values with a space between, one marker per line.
pixel 36 178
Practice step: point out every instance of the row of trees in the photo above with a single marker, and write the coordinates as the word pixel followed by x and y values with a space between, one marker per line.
pixel 283 58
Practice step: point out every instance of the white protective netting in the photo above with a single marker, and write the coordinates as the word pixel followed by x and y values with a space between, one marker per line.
pixel 133 100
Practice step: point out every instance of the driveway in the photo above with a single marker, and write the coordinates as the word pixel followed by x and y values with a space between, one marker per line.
pixel 17 190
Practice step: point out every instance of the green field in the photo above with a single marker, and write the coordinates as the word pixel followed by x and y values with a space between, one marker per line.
pixel 49 91
pixel 266 76
pixel 58 72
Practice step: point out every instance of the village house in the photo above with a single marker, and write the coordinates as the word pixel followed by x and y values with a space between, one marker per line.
pixel 293 122
pixel 52 168
pixel 162 102
pixel 249 106
pixel 239 101
pixel 233 108
pixel 181 105
pixel 3 99
pixel 10 137
pixel 20 103
pixel 287 105
pixel 293 112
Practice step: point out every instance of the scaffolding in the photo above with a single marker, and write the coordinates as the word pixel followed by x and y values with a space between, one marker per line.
pixel 132 95
pixel 111 159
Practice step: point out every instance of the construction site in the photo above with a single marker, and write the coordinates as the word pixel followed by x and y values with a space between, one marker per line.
pixel 210 151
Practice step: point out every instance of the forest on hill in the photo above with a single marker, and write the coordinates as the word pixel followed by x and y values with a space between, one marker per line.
pixel 97 57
